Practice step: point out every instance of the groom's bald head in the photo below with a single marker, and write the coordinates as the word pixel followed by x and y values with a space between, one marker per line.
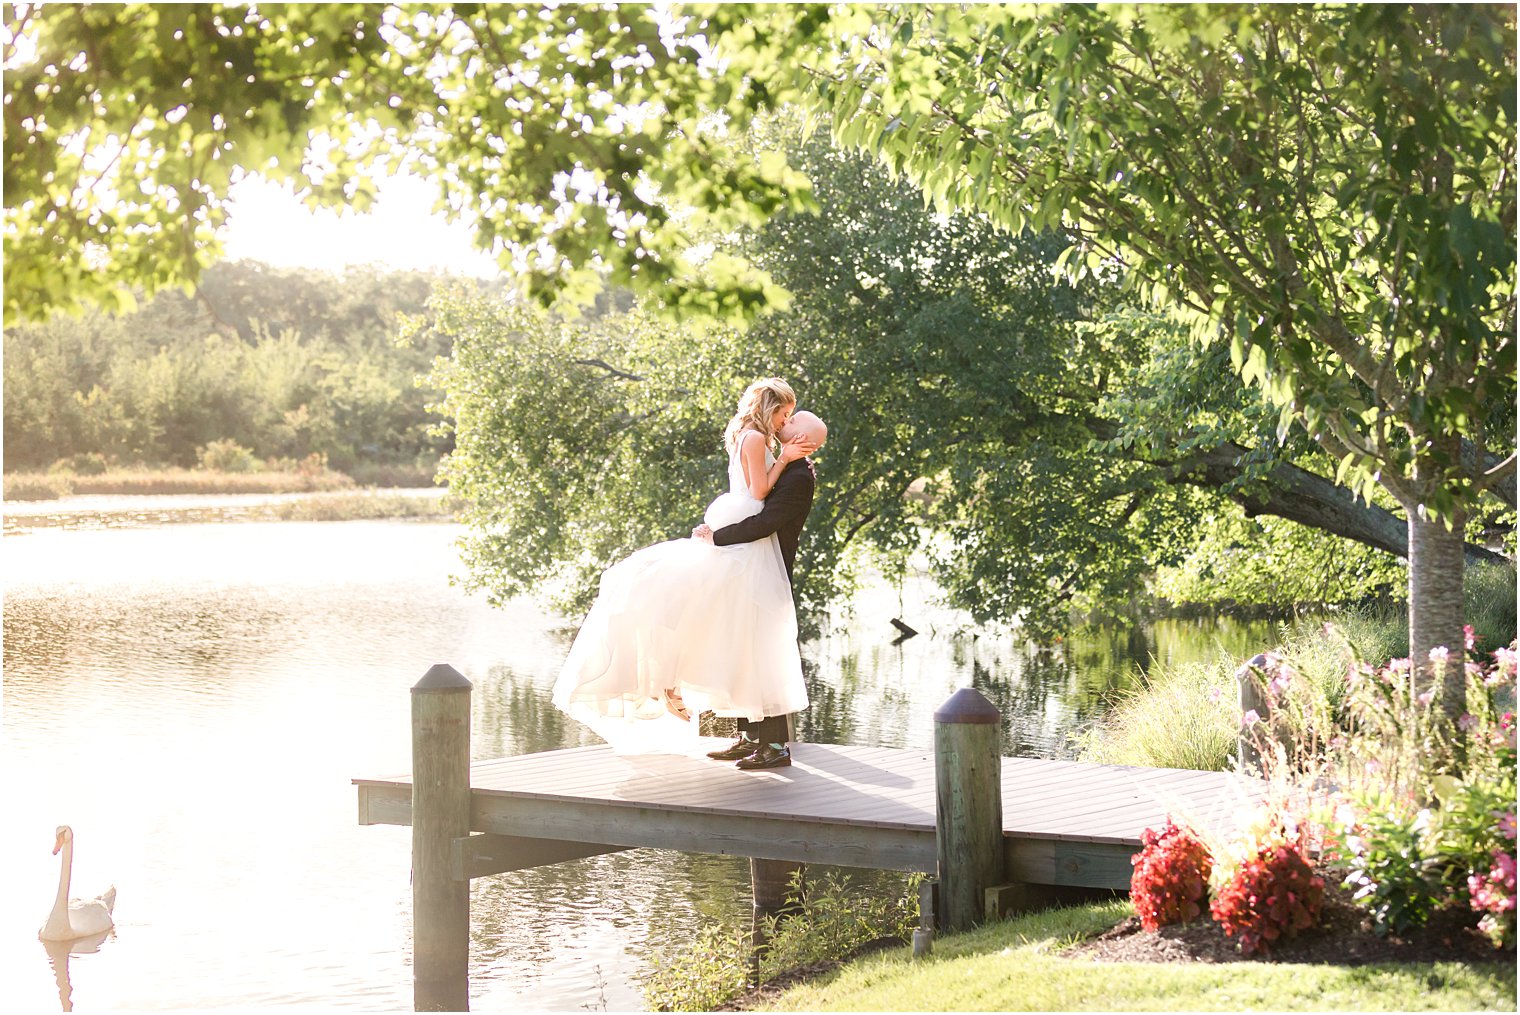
pixel 807 424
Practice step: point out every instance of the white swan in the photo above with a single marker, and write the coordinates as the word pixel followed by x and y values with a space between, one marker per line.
pixel 75 918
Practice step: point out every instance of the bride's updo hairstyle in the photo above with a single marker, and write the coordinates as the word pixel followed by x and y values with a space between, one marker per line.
pixel 757 406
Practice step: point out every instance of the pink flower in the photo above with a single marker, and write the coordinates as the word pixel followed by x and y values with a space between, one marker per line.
pixel 1251 718
pixel 1398 666
pixel 1426 698
pixel 1468 638
pixel 1438 655
pixel 1506 735
pixel 1506 823
pixel 1505 657
pixel 1467 722
pixel 1494 892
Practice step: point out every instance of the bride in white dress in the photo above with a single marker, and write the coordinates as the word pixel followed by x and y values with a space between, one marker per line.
pixel 683 627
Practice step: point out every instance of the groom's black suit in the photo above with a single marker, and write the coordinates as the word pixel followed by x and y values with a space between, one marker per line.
pixel 785 510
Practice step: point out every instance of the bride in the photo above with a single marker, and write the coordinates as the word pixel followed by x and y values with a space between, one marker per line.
pixel 683 627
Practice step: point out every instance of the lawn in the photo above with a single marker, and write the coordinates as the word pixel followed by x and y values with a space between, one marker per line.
pixel 1016 965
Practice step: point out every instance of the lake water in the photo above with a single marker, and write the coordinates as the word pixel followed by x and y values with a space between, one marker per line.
pixel 194 699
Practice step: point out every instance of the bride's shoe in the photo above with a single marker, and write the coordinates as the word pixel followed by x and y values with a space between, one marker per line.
pixel 675 705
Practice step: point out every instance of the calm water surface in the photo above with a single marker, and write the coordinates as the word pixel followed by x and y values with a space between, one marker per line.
pixel 194 699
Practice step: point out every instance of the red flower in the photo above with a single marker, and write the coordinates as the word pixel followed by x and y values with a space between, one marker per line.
pixel 1170 882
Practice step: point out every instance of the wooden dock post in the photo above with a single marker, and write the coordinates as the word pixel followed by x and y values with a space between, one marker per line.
pixel 1252 699
pixel 440 814
pixel 968 778
pixel 771 893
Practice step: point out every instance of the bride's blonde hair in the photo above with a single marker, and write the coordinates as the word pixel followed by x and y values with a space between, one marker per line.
pixel 756 407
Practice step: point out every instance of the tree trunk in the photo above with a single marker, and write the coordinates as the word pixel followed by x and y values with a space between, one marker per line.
pixel 1435 605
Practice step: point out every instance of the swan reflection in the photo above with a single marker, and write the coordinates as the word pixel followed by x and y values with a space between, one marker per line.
pixel 58 953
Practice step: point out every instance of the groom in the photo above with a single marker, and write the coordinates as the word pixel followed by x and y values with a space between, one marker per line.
pixel 762 744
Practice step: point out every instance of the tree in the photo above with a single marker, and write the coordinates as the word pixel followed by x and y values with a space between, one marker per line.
pixel 1062 430
pixel 1331 185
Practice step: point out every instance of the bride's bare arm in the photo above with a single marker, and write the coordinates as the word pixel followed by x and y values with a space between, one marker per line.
pixel 760 480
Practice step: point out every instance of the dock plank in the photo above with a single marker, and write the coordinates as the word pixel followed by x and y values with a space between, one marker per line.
pixel 1064 822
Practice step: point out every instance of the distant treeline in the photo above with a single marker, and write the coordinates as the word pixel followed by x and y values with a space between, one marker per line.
pixel 285 363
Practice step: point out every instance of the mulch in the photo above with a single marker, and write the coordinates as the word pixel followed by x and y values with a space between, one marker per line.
pixel 1344 936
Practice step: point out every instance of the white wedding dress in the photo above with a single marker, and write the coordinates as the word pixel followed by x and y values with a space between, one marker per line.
pixel 715 622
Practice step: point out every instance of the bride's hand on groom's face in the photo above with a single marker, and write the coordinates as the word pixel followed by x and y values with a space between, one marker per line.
pixel 797 447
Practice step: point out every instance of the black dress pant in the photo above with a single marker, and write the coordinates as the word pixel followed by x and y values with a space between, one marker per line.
pixel 773 729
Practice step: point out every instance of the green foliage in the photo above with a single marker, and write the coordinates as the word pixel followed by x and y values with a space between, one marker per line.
pixel 1322 192
pixel 1188 716
pixel 227 456
pixel 283 363
pixel 834 918
pixel 1183 717
pixel 35 487
pixel 1019 430
pixel 1274 564
pixel 701 974
pixel 1424 816
pixel 1488 603
pixel 172 103
pixel 1389 869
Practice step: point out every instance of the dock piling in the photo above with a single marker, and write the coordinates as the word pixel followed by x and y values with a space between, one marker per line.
pixel 440 814
pixel 772 894
pixel 968 778
pixel 1253 698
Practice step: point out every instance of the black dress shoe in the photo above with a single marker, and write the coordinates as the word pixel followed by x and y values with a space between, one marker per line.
pixel 740 748
pixel 766 757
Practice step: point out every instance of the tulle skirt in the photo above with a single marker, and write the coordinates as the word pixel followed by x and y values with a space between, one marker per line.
pixel 716 623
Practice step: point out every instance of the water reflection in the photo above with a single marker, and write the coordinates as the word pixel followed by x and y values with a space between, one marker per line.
pixel 196 698
pixel 58 953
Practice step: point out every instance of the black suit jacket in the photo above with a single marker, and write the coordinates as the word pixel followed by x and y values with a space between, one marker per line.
pixel 785 510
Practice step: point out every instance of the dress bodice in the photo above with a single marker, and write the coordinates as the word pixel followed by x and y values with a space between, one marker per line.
pixel 736 483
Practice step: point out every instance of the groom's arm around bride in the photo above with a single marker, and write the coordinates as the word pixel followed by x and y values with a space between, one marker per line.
pixel 763 743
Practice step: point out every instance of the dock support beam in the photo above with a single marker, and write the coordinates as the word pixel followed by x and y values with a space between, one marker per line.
pixel 771 891
pixel 440 814
pixel 968 811
pixel 1253 698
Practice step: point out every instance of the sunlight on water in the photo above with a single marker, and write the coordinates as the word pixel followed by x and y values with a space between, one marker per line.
pixel 194 699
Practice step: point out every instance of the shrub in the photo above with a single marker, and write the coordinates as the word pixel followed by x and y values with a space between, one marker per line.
pixel 86 463
pixel 1389 870
pixel 1171 877
pixel 1493 895
pixel 1271 894
pixel 226 456
pixel 835 918
pixel 1428 816
pixel 32 486
pixel 1180 719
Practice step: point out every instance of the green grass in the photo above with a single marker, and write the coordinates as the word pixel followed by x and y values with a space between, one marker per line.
pixel 1015 966
pixel 1187 715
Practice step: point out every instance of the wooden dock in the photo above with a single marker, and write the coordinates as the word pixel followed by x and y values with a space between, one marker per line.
pixel 988 830
pixel 1064 823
